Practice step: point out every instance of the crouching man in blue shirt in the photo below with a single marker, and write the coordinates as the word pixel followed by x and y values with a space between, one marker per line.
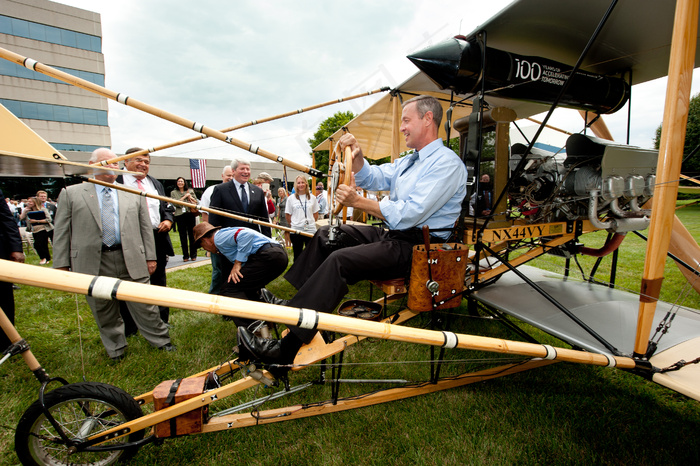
pixel 254 260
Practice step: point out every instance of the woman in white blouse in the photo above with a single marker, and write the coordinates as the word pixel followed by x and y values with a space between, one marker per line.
pixel 301 212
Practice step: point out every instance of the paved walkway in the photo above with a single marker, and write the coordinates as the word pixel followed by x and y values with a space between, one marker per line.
pixel 176 263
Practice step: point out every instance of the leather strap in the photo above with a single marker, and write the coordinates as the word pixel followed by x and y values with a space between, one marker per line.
pixel 169 402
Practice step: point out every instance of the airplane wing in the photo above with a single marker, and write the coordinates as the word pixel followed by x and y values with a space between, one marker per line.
pixel 637 37
pixel 375 127
pixel 25 153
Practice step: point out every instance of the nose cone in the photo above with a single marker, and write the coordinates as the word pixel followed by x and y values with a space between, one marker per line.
pixel 440 62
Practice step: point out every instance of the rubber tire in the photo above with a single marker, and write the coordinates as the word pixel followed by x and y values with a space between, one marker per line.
pixel 31 450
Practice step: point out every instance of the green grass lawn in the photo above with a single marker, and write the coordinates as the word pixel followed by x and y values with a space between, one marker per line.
pixel 560 414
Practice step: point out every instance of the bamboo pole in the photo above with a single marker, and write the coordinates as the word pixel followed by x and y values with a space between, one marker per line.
pixel 88 168
pixel 688 178
pixel 131 102
pixel 550 126
pixel 243 125
pixel 396 124
pixel 313 178
pixel 195 206
pixel 680 72
pixel 15 337
pixel 112 288
pixel 599 128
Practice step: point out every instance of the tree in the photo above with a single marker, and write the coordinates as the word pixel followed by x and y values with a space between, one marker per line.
pixel 691 164
pixel 327 127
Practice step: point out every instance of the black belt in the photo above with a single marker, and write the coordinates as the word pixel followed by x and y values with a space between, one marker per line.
pixel 413 236
pixel 114 247
pixel 267 245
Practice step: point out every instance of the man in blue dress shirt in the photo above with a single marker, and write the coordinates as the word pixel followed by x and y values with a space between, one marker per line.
pixel 256 258
pixel 426 188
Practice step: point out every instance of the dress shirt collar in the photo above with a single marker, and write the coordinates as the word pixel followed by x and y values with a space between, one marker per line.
pixel 238 188
pixel 429 149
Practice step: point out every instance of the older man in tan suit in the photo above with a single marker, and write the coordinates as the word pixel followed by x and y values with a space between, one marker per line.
pixel 103 231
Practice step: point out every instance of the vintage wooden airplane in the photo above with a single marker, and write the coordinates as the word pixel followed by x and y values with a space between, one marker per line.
pixel 508 69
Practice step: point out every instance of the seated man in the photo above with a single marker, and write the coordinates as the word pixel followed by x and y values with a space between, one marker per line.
pixel 256 259
pixel 426 188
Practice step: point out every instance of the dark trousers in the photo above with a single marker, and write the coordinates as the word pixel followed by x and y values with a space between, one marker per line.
pixel 185 228
pixel 158 278
pixel 41 244
pixel 322 274
pixel 7 303
pixel 299 242
pixel 260 269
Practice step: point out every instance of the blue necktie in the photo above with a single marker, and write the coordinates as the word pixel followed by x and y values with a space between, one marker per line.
pixel 244 199
pixel 109 235
pixel 412 159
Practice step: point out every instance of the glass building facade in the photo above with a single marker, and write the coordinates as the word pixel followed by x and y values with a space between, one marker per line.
pixel 68 39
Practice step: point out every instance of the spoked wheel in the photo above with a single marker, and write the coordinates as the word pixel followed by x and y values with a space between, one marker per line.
pixel 340 173
pixel 82 410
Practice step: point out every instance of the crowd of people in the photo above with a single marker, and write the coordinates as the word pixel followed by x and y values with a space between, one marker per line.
pixel 34 216
pixel 99 230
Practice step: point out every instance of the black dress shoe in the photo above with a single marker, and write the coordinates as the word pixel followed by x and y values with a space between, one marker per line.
pixel 118 358
pixel 168 347
pixel 252 348
pixel 270 298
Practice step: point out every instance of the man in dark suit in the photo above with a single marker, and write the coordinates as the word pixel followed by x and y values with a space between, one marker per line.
pixel 240 197
pixel 10 249
pixel 237 197
pixel 108 232
pixel 161 214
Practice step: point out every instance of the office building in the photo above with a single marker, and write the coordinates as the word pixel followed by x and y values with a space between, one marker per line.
pixel 66 38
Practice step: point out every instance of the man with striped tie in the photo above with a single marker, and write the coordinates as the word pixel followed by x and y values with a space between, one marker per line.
pixel 103 231
pixel 162 219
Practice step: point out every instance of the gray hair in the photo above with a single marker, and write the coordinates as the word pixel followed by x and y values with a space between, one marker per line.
pixel 239 161
pixel 427 103
pixel 224 169
pixel 97 152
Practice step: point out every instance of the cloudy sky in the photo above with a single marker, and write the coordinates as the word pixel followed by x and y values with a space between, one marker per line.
pixel 222 63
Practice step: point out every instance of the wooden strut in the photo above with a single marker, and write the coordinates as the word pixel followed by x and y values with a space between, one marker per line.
pixel 307 355
pixel 14 338
pixel 131 102
pixel 299 411
pixel 63 161
pixel 112 288
pixel 681 63
pixel 195 206
pixel 242 125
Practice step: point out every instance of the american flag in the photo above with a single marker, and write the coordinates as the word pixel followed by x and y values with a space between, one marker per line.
pixel 198 170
